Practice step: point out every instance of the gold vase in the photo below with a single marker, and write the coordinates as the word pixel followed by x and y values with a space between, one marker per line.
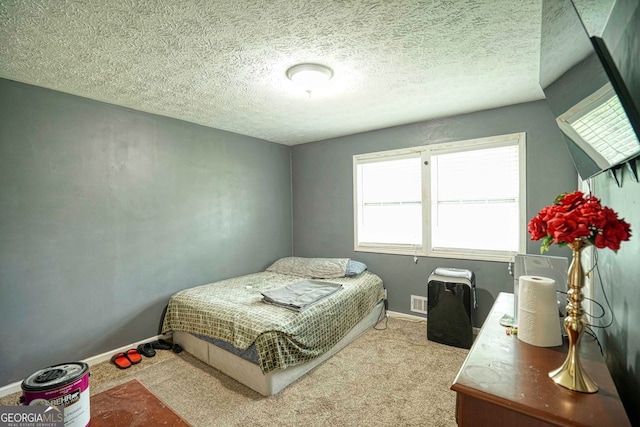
pixel 571 374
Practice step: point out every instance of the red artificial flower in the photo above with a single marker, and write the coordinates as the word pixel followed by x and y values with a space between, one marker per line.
pixel 572 200
pixel 537 228
pixel 566 227
pixel 578 216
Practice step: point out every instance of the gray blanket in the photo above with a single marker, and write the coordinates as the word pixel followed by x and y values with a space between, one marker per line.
pixel 300 295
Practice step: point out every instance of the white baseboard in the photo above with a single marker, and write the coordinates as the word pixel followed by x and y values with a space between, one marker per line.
pixel 412 318
pixel 17 386
pixel 404 316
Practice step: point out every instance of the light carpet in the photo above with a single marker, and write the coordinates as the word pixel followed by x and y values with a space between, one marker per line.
pixel 393 377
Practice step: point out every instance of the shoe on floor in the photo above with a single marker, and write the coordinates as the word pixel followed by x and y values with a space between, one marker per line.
pixel 161 345
pixel 121 360
pixel 133 356
pixel 146 349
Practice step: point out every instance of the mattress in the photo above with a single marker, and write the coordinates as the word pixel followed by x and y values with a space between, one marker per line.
pixel 250 374
pixel 232 311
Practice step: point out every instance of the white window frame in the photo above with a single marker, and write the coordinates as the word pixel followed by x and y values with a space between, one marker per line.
pixel 400 249
pixel 473 144
pixel 425 152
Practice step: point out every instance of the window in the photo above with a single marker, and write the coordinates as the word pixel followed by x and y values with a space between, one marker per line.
pixel 389 201
pixel 463 199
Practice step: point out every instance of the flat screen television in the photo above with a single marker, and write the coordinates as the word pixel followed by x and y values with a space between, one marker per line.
pixel 592 83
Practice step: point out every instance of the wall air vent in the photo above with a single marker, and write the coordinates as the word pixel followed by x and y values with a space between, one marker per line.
pixel 419 304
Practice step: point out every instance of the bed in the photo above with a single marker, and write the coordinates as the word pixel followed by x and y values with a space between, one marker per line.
pixel 230 325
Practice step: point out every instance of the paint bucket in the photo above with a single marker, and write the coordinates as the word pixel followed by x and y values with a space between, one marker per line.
pixel 61 385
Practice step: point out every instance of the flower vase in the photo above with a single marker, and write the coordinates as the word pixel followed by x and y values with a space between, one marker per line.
pixel 571 375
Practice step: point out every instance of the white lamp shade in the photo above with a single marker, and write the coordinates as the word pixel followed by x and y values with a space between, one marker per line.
pixel 309 76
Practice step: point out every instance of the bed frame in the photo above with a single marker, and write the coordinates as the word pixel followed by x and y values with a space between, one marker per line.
pixel 250 374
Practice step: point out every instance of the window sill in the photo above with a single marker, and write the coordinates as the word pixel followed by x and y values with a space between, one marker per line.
pixel 391 250
pixel 492 257
pixel 498 257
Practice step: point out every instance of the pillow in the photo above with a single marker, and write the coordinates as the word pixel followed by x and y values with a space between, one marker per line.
pixel 354 268
pixel 314 268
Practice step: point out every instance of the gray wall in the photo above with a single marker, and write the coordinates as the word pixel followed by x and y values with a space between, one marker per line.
pixel 105 212
pixel 323 194
pixel 619 275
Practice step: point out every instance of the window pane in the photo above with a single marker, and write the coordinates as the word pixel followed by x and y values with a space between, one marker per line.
pixel 488 226
pixel 399 224
pixel 475 197
pixel 391 181
pixel 477 174
pixel 390 201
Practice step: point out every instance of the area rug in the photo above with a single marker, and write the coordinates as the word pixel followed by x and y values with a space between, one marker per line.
pixel 129 405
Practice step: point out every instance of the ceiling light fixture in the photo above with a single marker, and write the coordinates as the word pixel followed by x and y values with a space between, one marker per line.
pixel 309 76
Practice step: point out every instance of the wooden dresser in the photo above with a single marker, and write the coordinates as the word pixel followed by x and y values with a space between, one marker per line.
pixel 505 382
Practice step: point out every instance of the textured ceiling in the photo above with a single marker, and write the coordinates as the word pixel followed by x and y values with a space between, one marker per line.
pixel 222 63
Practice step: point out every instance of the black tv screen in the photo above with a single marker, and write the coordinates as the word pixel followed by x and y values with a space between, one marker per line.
pixel 591 83
pixel 619 52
